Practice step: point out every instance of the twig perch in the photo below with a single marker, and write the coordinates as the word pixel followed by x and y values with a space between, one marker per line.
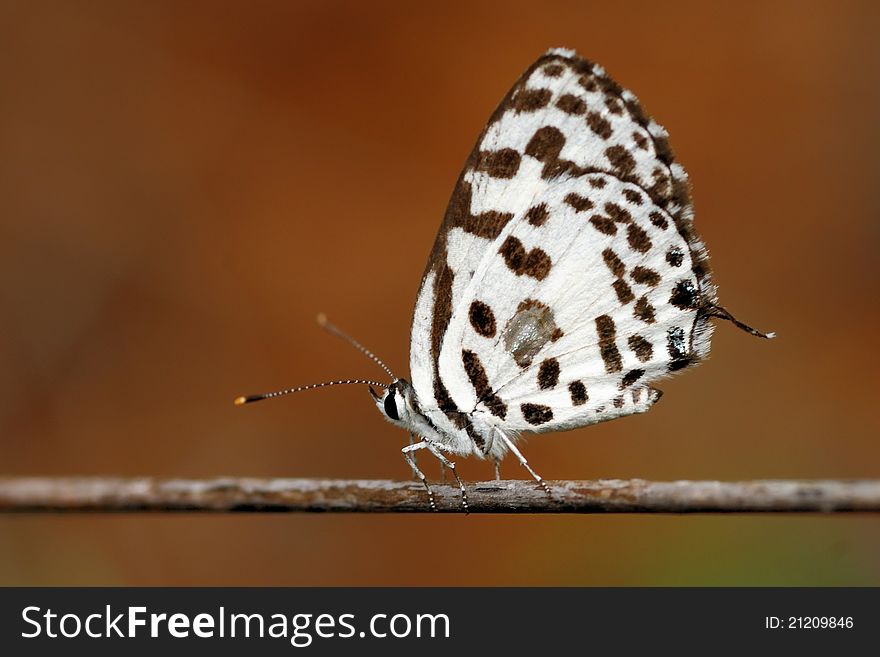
pixel 108 495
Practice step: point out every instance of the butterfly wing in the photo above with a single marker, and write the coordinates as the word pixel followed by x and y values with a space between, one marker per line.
pixel 566 275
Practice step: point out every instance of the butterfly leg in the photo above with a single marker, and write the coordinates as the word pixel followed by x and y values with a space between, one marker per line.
pixel 446 463
pixel 412 440
pixel 523 462
pixel 497 469
pixel 408 455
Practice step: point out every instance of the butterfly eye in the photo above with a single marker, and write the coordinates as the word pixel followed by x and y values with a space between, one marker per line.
pixel 390 405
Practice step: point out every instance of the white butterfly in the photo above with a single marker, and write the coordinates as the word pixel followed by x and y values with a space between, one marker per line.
pixel 565 279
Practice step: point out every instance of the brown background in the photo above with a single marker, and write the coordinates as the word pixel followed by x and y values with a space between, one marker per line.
pixel 184 185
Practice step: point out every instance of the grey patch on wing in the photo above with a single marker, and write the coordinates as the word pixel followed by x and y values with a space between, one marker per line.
pixel 531 327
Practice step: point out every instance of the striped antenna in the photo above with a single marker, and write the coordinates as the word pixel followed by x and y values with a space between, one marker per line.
pixel 239 401
pixel 324 323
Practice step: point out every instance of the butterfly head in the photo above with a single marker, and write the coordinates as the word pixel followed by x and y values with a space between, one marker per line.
pixel 396 403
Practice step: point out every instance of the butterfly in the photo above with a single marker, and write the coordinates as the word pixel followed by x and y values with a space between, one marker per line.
pixel 566 277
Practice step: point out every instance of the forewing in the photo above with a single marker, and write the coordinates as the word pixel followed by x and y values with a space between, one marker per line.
pixel 566 274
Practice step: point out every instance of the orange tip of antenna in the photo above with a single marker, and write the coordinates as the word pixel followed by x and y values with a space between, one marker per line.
pixel 321 319
pixel 239 401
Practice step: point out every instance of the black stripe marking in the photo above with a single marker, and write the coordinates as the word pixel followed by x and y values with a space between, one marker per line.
pixel 607 332
pixel 480 380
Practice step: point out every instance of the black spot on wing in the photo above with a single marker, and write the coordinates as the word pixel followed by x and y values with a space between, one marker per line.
pixel 631 377
pixel 535 263
pixel 482 319
pixel 645 276
pixel 578 392
pixel 644 310
pixel 675 256
pixel 685 296
pixel 676 345
pixel 548 374
pixel 641 348
pixel 499 164
pixel 536 414
pixel 538 215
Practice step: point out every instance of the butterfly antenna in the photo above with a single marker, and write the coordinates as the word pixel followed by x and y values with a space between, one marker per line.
pixel 239 401
pixel 723 313
pixel 325 324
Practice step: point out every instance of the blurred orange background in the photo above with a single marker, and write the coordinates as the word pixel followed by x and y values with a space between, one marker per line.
pixel 185 185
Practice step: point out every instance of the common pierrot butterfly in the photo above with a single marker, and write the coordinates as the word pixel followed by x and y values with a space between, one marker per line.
pixel 566 277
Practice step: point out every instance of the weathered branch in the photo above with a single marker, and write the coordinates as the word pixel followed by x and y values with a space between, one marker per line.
pixel 106 494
